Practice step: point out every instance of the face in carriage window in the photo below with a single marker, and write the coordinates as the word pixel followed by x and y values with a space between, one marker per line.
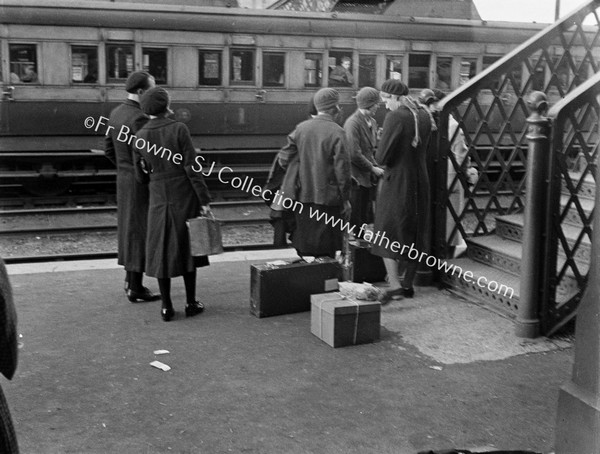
pixel 23 64
pixel 84 64
pixel 242 66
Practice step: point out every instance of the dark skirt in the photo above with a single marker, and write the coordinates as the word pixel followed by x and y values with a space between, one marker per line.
pixel 314 237
pixel 172 202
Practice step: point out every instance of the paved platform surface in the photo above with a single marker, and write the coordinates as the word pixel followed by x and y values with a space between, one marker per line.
pixel 446 373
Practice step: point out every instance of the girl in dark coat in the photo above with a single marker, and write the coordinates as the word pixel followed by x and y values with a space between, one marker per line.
pixel 177 193
pixel 402 210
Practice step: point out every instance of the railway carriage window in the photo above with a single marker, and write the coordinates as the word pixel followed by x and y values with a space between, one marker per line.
pixel 418 70
pixel 273 69
pixel 210 67
pixel 23 64
pixel 394 68
pixel 155 62
pixel 84 64
pixel 312 70
pixel 241 66
pixel 583 72
pixel 489 60
pixel 538 79
pixel 444 73
pixel 340 69
pixel 366 70
pixel 119 62
pixel 468 70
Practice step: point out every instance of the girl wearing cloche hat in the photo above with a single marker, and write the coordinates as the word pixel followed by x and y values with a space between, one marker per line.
pixel 402 209
pixel 177 193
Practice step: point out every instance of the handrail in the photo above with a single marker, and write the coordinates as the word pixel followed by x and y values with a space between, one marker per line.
pixel 536 42
pixel 576 98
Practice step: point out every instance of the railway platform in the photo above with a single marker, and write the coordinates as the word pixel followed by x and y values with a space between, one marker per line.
pixel 446 372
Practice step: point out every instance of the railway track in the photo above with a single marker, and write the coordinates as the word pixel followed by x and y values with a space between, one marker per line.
pixel 227 212
pixel 68 233
pixel 113 254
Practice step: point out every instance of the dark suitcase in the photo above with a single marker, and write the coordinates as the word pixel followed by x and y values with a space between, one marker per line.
pixel 364 266
pixel 285 289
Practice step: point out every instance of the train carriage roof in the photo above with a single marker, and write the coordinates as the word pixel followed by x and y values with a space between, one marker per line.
pixel 179 17
pixel 444 9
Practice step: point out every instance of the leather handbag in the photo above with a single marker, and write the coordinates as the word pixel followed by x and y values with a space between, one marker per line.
pixel 205 236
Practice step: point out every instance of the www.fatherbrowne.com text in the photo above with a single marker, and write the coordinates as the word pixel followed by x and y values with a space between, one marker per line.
pixel 246 184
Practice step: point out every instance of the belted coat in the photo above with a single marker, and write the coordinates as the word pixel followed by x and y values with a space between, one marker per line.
pixel 177 192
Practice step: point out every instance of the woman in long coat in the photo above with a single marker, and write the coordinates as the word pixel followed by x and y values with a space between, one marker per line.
pixel 402 209
pixel 177 193
pixel 132 195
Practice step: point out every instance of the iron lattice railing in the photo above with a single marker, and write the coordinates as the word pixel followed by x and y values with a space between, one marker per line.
pixel 491 111
pixel 574 152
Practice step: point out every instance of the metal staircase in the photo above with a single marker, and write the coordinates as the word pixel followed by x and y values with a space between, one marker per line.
pixel 547 282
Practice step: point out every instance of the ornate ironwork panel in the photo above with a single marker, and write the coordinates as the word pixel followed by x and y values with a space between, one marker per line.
pixel 491 111
pixel 574 153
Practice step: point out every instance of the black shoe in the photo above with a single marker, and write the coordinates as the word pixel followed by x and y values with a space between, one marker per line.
pixel 408 292
pixel 145 295
pixel 193 309
pixel 167 313
pixel 387 295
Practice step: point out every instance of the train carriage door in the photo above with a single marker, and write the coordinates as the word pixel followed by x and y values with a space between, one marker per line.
pixel 276 103
pixel 241 111
pixel 5 98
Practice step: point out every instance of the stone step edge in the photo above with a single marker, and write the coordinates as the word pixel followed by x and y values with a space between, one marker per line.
pixel 504 303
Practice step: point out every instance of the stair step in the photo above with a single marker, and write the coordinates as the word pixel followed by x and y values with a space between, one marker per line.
pixel 500 253
pixel 505 255
pixel 503 299
pixel 587 189
pixel 573 216
pixel 510 227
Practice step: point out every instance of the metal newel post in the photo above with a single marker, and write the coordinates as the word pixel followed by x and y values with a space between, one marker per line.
pixel 578 420
pixel 528 323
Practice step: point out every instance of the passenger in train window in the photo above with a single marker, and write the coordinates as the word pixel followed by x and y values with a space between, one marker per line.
pixel 91 77
pixel 321 184
pixel 132 195
pixel 361 132
pixel 402 208
pixel 29 75
pixel 340 76
pixel 177 193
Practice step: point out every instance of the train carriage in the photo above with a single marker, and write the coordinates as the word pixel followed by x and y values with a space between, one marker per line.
pixel 240 79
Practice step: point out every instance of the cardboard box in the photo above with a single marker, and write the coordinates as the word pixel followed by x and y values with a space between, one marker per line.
pixel 285 288
pixel 364 266
pixel 341 321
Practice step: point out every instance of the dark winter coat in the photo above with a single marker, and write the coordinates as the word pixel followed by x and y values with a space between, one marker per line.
pixel 176 194
pixel 402 211
pixel 362 141
pixel 323 162
pixel 132 196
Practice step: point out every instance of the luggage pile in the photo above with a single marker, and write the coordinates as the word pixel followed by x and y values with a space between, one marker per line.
pixel 342 312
